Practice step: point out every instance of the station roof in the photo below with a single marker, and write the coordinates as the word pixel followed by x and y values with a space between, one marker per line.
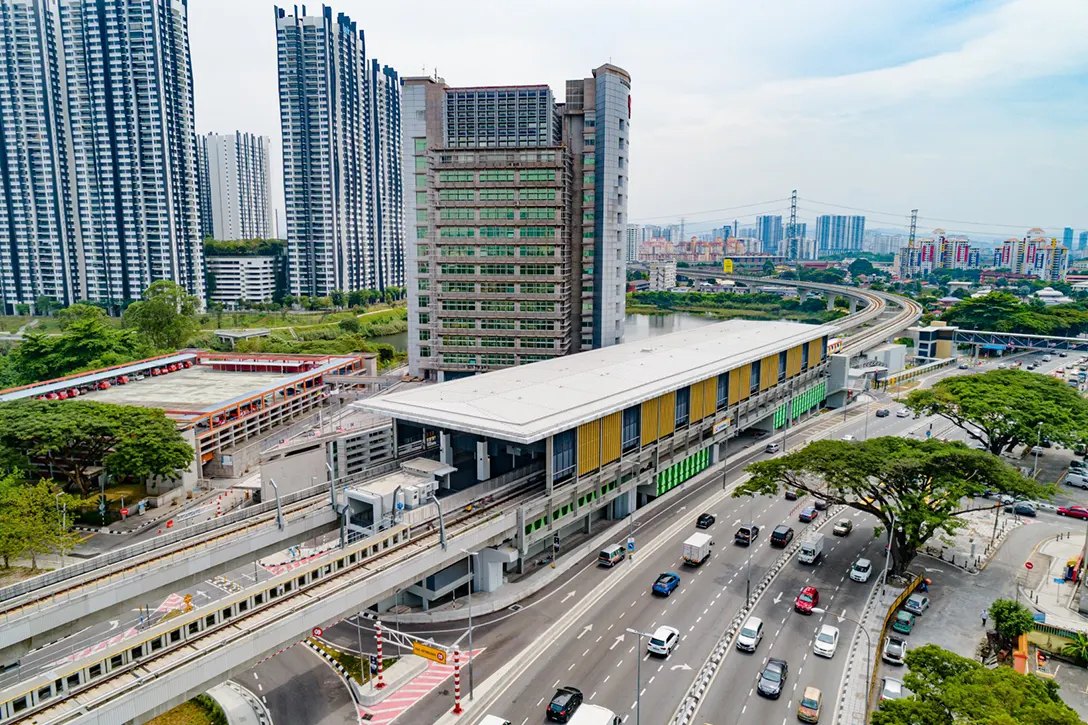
pixel 528 403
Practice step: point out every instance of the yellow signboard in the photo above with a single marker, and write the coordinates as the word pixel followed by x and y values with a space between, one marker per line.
pixel 431 653
pixel 727 266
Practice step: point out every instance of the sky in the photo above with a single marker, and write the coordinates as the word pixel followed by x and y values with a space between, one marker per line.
pixel 974 112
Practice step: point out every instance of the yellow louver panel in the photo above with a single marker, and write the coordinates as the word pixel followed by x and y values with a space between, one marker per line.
pixel 793 362
pixel 589 447
pixel 649 421
pixel 815 352
pixel 695 410
pixel 742 376
pixel 768 372
pixel 710 396
pixel 611 437
pixel 667 414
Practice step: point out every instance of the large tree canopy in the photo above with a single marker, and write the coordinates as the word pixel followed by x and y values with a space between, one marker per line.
pixel 71 436
pixel 1004 408
pixel 166 315
pixel 30 520
pixel 948 689
pixel 1003 312
pixel 921 484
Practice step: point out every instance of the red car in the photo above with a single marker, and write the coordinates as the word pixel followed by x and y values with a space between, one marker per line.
pixel 1077 512
pixel 806 600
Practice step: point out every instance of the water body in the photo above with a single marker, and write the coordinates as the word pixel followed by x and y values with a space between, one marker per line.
pixel 635 327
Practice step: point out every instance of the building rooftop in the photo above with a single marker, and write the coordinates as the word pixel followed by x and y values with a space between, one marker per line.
pixel 527 403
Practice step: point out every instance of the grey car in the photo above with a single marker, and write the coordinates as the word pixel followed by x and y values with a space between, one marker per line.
pixel 894 650
pixel 772 678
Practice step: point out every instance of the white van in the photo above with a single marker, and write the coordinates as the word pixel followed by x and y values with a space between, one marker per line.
pixel 588 714
pixel 493 720
pixel 612 555
pixel 811 549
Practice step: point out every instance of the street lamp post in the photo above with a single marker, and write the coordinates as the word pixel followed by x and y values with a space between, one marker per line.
pixel 1038 446
pixel 888 555
pixel 868 651
pixel 638 672
pixel 471 578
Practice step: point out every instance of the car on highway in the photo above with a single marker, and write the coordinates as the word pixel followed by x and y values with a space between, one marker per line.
pixel 772 448
pixel 963 366
pixel 843 527
pixel 772 678
pixel 565 702
pixel 820 504
pixel 781 536
pixel 1063 354
pixel 1077 512
pixel 883 413
pixel 902 413
pixel 848 437
pixel 903 622
pixel 808 598
pixel 811 702
pixel 746 534
pixel 861 570
pixel 751 634
pixel 917 604
pixel 705 521
pixel 826 642
pixel 1047 358
pixel 895 648
pixel 666 583
pixel 664 641
pixel 792 494
pixel 1021 508
pixel 890 689
pixel 808 513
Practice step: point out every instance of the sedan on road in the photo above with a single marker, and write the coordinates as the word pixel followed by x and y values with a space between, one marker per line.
pixel 664 641
pixel 890 689
pixel 883 413
pixel 811 702
pixel 843 527
pixel 903 622
pixel 705 521
pixel 772 678
pixel 1021 508
pixel 806 600
pixel 917 603
pixel 861 570
pixel 564 703
pixel 666 583
pixel 1077 512
pixel 826 642
pixel 894 650
pixel 809 513
pixel 902 413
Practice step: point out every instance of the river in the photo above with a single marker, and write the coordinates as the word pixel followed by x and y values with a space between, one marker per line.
pixel 635 327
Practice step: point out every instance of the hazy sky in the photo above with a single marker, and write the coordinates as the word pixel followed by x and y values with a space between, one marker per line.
pixel 974 112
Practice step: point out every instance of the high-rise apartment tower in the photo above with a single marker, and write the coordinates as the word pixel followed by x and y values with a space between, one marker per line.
pixel 235 186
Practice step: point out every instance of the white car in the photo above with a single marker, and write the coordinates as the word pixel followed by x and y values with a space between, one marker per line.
pixel 848 437
pixel 902 413
pixel 751 634
pixel 861 570
pixel 891 689
pixel 664 641
pixel 826 641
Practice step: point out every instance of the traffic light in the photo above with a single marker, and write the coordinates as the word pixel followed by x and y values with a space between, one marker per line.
pixel 555 542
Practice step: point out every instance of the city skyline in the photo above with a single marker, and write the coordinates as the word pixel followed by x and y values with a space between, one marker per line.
pixel 915 99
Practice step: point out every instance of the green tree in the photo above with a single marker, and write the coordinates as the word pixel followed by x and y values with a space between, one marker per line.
pixel 1010 619
pixel 1078 648
pixel 337 298
pixel 768 268
pixel 861 266
pixel 30 520
pixel 70 437
pixel 920 484
pixel 356 298
pixel 1002 409
pixel 947 689
pixel 351 325
pixel 46 305
pixel 217 308
pixel 165 316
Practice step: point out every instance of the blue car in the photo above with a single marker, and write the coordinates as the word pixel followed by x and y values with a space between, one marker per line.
pixel 666 583
pixel 808 514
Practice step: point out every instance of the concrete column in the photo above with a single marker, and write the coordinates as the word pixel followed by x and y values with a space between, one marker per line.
pixel 830 302
pixel 588 525
pixel 853 305
pixel 520 533
pixel 483 461
pixel 445 448
pixel 549 464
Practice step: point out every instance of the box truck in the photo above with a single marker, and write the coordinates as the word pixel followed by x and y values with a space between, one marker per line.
pixel 811 549
pixel 697 549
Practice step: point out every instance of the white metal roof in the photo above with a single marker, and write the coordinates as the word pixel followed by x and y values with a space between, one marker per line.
pixel 527 403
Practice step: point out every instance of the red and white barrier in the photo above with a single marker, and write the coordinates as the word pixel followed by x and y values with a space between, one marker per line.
pixel 457 682
pixel 378 633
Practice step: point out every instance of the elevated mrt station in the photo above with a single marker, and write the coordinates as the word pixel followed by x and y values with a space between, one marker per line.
pixel 593 436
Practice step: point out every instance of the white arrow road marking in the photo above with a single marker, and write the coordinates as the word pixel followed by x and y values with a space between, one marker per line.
pixel 684 667
pixel 114 624
pixel 569 595
pixel 736 522
pixel 778 598
pixel 587 628
pixel 618 640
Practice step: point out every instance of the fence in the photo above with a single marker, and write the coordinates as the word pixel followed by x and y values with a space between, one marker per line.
pixel 884 630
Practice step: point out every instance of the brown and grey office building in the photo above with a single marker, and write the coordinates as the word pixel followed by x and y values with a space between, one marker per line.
pixel 502 266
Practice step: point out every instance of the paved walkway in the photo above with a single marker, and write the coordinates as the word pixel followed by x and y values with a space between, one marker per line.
pixel 240 705
pixel 415 690
pixel 1045 586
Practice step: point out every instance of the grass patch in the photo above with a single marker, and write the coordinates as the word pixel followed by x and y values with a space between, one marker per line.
pixel 358 669
pixel 210 321
pixel 201 710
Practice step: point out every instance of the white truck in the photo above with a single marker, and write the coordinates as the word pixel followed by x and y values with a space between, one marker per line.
pixel 697 549
pixel 811 549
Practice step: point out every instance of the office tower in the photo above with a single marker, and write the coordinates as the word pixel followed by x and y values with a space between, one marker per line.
pixel 1067 237
pixel 837 234
pixel 596 127
pixel 650 232
pixel 1082 241
pixel 341 160
pixel 769 231
pixel 235 186
pixel 99 163
pixel 519 247
pixel 634 238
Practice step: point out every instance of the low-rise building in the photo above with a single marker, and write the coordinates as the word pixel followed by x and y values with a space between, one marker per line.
pixel 662 275
pixel 251 278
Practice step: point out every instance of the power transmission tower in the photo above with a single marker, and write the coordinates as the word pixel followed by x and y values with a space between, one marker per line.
pixel 793 251
pixel 913 227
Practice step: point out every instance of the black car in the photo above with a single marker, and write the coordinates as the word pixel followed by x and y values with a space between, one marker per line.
pixel 791 494
pixel 883 413
pixel 705 521
pixel 772 678
pixel 565 701
pixel 820 504
pixel 781 536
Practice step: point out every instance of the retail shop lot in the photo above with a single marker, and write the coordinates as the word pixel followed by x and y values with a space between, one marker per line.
pixel 193 388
